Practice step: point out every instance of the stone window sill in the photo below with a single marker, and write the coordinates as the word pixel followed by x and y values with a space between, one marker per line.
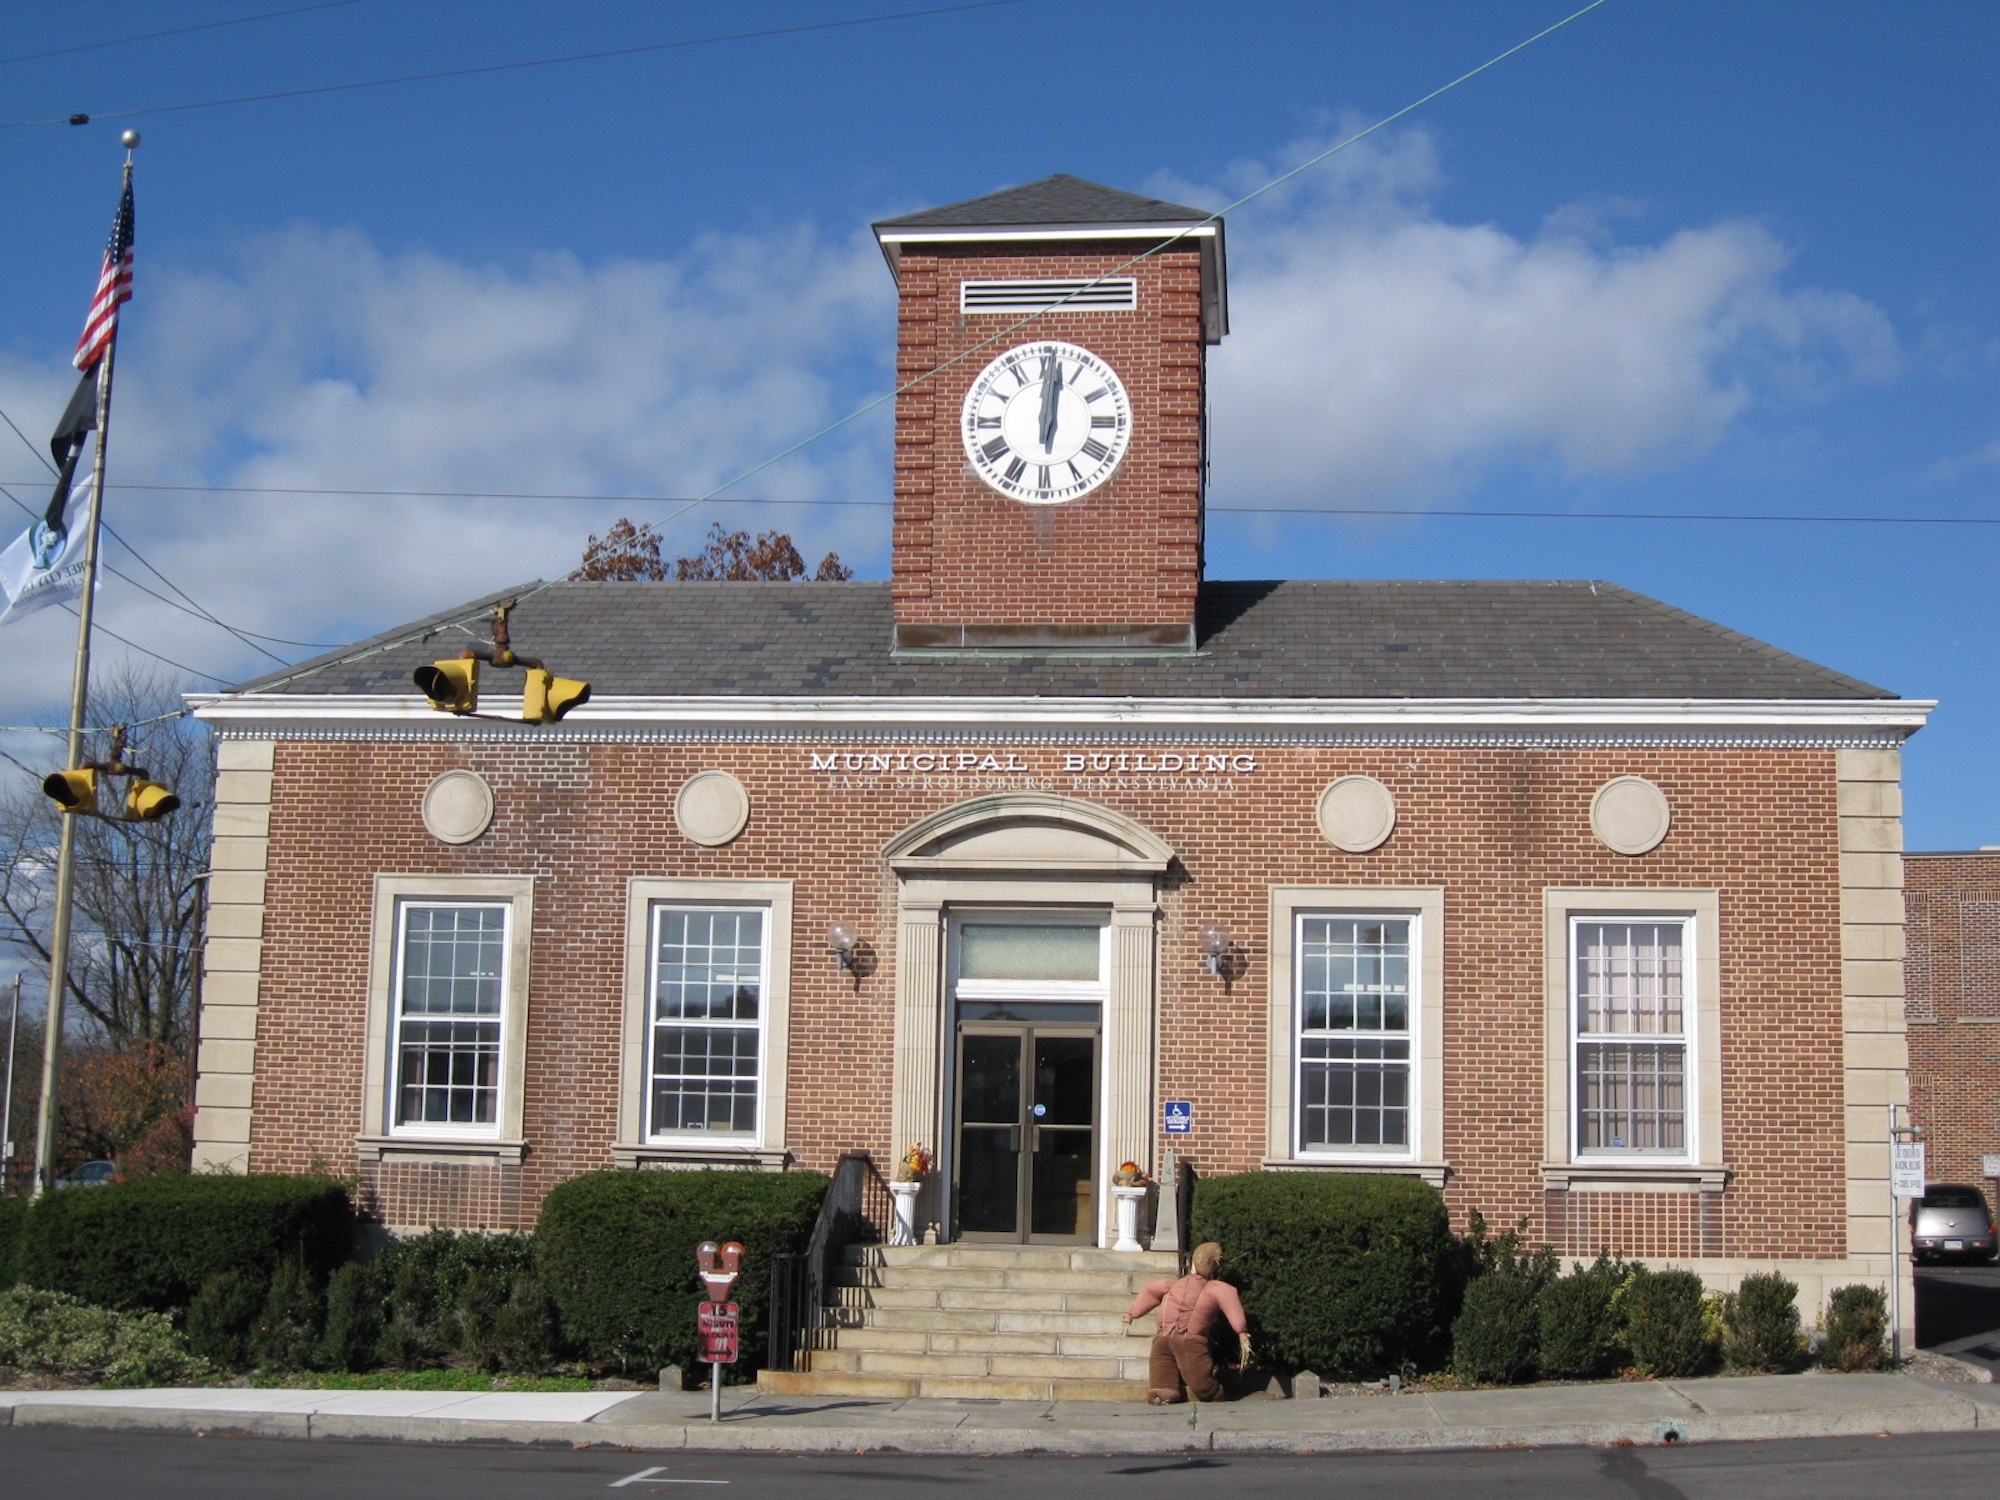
pixel 675 1156
pixel 1634 1177
pixel 378 1148
pixel 1433 1172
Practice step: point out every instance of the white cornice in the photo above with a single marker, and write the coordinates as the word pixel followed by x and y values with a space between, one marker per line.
pixel 279 715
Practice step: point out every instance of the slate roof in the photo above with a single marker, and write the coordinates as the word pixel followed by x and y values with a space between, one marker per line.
pixel 1297 640
pixel 1058 200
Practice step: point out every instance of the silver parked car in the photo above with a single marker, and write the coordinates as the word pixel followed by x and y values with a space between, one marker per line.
pixel 1951 1220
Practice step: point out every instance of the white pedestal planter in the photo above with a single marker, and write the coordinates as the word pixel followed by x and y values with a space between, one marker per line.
pixel 1128 1201
pixel 904 1230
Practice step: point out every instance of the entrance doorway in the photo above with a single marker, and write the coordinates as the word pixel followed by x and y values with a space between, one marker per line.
pixel 1026 1163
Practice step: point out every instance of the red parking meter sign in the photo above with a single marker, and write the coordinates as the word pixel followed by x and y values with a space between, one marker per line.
pixel 718 1327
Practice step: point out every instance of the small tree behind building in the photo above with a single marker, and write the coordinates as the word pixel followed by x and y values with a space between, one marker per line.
pixel 630 553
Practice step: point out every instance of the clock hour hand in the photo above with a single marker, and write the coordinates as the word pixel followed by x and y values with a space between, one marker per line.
pixel 1051 392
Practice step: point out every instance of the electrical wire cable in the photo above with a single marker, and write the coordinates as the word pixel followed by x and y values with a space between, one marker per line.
pixel 81 118
pixel 153 36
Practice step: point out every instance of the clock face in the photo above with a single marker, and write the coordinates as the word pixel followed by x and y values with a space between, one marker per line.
pixel 1046 422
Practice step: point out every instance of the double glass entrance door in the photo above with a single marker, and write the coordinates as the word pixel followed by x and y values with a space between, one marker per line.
pixel 1027 1132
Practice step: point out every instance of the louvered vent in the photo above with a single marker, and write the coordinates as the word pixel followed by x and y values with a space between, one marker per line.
pixel 1038 296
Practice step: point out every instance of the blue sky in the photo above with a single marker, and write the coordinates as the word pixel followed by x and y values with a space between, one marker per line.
pixel 1681 257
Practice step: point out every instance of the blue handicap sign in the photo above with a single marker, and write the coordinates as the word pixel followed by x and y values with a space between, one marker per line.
pixel 1179 1117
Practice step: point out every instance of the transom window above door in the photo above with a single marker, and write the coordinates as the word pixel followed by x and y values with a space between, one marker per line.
pixel 1028 957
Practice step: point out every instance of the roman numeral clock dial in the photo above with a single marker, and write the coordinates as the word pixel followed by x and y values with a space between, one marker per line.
pixel 1046 423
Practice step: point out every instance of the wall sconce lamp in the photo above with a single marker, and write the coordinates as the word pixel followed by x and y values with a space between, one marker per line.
pixel 841 938
pixel 1215 943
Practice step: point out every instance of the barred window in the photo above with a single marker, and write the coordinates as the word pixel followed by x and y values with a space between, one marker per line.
pixel 1354 1008
pixel 450 991
pixel 1629 1001
pixel 707 988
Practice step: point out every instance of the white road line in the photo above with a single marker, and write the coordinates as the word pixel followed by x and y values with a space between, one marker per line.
pixel 652 1476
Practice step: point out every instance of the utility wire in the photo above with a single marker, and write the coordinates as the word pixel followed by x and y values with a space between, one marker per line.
pixel 153 36
pixel 1239 510
pixel 468 618
pixel 512 67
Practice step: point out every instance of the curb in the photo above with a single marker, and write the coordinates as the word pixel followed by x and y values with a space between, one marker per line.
pixel 1939 1414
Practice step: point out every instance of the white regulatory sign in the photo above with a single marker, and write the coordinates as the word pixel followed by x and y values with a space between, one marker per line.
pixel 1906 1169
pixel 1989 1166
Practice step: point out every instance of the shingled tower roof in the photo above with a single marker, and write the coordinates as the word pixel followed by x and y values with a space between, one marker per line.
pixel 1061 201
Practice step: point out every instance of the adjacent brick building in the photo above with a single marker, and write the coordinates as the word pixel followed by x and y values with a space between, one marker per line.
pixel 1953 1007
pixel 1586 910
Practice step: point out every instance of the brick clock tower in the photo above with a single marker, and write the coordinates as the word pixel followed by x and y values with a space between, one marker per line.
pixel 1049 482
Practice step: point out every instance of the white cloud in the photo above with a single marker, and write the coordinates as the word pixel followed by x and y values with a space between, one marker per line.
pixel 1385 356
pixel 315 361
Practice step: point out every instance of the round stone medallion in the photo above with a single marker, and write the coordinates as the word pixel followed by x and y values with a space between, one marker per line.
pixel 458 807
pixel 1630 815
pixel 712 808
pixel 1357 813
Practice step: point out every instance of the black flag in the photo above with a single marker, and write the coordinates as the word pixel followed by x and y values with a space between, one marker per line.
pixel 79 417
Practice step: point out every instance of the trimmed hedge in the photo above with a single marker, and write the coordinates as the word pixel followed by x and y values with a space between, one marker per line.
pixel 1343 1273
pixel 154 1243
pixel 13 1214
pixel 1496 1336
pixel 1855 1330
pixel 615 1253
pixel 1666 1321
pixel 1760 1325
pixel 1579 1316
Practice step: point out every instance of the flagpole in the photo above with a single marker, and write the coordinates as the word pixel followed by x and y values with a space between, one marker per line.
pixel 47 1113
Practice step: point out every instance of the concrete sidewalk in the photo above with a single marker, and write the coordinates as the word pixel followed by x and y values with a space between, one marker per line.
pixel 1712 1410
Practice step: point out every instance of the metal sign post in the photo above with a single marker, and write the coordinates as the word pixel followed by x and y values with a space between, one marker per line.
pixel 1906 1180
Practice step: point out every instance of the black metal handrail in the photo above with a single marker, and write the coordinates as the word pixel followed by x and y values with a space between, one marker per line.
pixel 855 1211
pixel 1184 1181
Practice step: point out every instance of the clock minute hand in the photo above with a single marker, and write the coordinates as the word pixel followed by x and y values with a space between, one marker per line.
pixel 1051 390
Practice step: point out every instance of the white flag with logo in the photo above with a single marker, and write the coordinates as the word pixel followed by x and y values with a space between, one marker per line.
pixel 40 568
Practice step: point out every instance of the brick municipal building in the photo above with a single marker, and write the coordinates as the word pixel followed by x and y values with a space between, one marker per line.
pixel 1585 910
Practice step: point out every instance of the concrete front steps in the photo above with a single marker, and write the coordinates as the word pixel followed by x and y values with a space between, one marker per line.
pixel 980 1321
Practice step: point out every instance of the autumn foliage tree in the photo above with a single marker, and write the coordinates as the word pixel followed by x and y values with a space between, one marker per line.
pixel 631 553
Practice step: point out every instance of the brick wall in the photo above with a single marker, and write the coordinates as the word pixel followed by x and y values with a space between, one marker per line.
pixel 965 554
pixel 1494 827
pixel 1953 1008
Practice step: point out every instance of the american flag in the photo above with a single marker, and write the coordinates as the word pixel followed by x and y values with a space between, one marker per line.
pixel 114 285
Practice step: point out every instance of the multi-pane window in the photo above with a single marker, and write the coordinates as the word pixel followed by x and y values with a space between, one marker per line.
pixel 450 992
pixel 1630 1004
pixel 1354 1009
pixel 707 995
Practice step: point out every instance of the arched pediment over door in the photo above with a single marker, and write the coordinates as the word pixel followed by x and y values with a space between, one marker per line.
pixel 1036 849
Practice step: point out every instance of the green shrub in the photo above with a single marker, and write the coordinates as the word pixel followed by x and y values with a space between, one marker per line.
pixel 1666 1323
pixel 353 1320
pixel 524 1335
pixel 13 1216
pixel 443 1292
pixel 614 1252
pixel 50 1334
pixel 1494 1339
pixel 1342 1273
pixel 221 1316
pixel 1760 1325
pixel 153 1243
pixel 1578 1320
pixel 1854 1335
pixel 286 1332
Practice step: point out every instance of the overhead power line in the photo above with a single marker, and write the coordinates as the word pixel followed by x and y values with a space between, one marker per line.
pixel 1465 513
pixel 515 67
pixel 153 36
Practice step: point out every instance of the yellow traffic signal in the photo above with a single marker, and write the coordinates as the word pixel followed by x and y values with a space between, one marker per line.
pixel 148 801
pixel 73 791
pixel 452 685
pixel 548 697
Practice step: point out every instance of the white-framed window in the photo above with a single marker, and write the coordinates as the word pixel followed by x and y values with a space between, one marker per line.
pixel 1356 1027
pixel 709 968
pixel 1630 1014
pixel 1355 1022
pixel 1633 1018
pixel 448 1014
pixel 451 1001
pixel 707 1022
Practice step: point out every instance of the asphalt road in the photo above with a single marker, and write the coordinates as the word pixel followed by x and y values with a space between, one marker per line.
pixel 1958 1312
pixel 54 1464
